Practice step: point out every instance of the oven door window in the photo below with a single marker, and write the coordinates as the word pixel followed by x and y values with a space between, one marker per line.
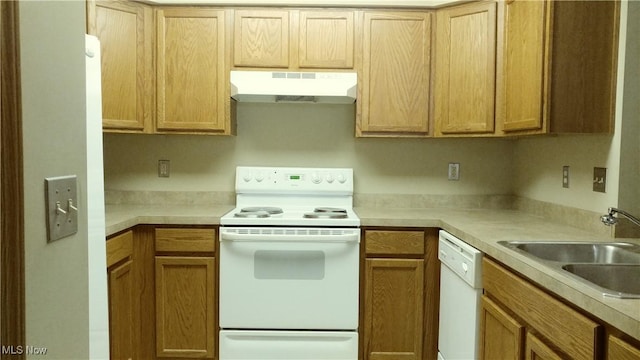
pixel 288 265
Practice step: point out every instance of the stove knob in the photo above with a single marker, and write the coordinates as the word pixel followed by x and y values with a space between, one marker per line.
pixel 260 177
pixel 247 176
pixel 315 178
pixel 329 178
pixel 341 178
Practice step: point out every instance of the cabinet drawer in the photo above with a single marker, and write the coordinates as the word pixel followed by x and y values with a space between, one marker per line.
pixel 394 242
pixel 119 248
pixel 558 323
pixel 188 240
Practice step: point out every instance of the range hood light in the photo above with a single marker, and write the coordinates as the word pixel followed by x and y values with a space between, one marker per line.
pixel 298 87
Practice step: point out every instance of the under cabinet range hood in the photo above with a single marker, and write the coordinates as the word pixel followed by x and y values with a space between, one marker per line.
pixel 282 86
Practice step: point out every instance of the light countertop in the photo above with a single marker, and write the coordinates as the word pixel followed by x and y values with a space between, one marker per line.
pixel 480 228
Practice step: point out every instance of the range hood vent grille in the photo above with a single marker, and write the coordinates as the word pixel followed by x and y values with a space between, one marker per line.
pixel 305 87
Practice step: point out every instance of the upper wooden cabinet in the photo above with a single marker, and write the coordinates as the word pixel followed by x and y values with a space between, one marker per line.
pixel 556 66
pixel 125 33
pixel 394 82
pixel 293 39
pixel 192 74
pixel 464 73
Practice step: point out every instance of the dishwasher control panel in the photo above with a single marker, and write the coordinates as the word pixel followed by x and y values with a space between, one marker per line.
pixel 461 258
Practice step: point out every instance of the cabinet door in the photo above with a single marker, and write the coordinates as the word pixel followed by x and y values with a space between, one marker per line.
pixel 523 64
pixel 185 307
pixel 465 69
pixel 501 336
pixel 536 349
pixel 395 74
pixel 325 39
pixel 121 311
pixel 619 349
pixel 261 38
pixel 393 309
pixel 192 78
pixel 125 34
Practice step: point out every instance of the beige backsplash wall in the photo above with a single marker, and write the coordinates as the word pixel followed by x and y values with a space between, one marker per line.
pixel 308 135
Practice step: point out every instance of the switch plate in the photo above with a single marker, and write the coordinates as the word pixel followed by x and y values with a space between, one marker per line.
pixel 454 171
pixel 163 168
pixel 599 179
pixel 565 176
pixel 61 195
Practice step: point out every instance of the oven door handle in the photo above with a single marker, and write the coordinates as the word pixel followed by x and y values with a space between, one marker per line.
pixel 341 238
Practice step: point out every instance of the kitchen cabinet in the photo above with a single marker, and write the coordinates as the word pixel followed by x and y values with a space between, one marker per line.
pixel 292 39
pixel 464 76
pixel 126 36
pixel 553 329
pixel 556 66
pixel 185 278
pixel 192 72
pixel 394 81
pixel 620 349
pixel 122 301
pixel 399 315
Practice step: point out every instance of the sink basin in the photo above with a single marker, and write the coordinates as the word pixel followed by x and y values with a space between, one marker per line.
pixel 611 267
pixel 579 252
pixel 615 280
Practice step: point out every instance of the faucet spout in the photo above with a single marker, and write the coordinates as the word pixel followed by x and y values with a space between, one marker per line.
pixel 610 219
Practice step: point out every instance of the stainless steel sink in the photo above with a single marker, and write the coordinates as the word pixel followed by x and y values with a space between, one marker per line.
pixel 621 281
pixel 611 267
pixel 580 252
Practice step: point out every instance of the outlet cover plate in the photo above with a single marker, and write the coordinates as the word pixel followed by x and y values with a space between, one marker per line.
pixel 599 179
pixel 61 195
pixel 454 171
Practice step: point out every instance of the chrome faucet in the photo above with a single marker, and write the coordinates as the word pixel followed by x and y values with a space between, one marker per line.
pixel 610 218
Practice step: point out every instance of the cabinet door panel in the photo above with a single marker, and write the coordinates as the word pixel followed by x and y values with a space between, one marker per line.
pixel 394 302
pixel 396 66
pixel 501 336
pixel 126 64
pixel 261 38
pixel 191 74
pixel 523 58
pixel 536 349
pixel 326 39
pixel 121 312
pixel 185 307
pixel 619 349
pixel 465 69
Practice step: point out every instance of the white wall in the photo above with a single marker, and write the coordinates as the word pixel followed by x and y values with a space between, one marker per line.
pixel 313 136
pixel 53 98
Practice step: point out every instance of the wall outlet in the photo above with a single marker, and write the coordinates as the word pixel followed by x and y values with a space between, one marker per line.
pixel 454 171
pixel 599 179
pixel 565 176
pixel 163 168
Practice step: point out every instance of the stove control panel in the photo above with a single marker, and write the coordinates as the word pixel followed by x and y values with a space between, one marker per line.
pixel 279 179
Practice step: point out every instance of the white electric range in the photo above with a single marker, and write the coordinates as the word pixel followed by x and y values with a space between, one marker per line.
pixel 289 266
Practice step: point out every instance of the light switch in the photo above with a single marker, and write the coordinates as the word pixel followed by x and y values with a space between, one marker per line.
pixel 61 195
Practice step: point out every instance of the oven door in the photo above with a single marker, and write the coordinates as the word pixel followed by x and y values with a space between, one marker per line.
pixel 289 278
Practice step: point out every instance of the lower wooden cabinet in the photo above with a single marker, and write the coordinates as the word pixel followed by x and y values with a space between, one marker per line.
pixel 619 349
pixel 185 322
pixel 122 300
pixel 399 315
pixel 185 301
pixel 513 307
pixel 501 336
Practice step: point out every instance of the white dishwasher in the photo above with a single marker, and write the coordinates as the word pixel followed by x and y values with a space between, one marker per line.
pixel 460 291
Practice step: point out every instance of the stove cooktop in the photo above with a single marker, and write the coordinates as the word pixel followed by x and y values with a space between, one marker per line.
pixel 291 216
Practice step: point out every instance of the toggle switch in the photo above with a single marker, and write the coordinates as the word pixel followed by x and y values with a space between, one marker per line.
pixel 61 195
